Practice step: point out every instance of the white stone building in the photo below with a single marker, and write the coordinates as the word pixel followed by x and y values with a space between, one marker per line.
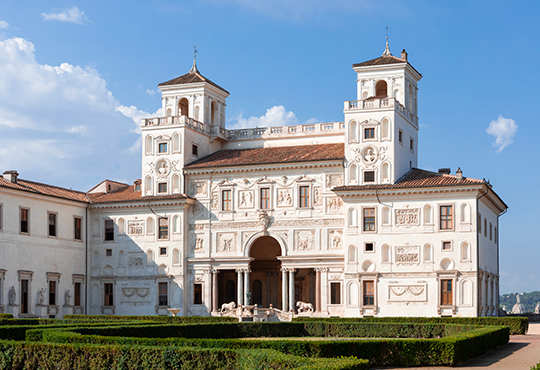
pixel 334 214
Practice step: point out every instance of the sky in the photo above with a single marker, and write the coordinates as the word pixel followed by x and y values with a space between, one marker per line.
pixel 77 76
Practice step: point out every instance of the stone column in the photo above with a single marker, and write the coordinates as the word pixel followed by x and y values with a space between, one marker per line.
pixel 284 290
pixel 240 294
pixel 246 286
pixel 324 289
pixel 291 290
pixel 208 290
pixel 274 289
pixel 317 290
pixel 312 287
pixel 215 290
pixel 268 288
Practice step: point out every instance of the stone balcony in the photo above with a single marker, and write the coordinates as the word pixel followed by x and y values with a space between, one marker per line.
pixel 379 103
pixel 177 120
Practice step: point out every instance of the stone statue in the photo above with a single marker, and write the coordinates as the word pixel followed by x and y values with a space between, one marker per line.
pixel 228 307
pixel 12 296
pixel 41 296
pixel 67 298
pixel 518 307
pixel 304 307
pixel 537 308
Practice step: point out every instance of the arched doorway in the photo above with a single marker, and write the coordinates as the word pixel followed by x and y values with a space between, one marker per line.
pixel 381 89
pixel 265 272
pixel 184 107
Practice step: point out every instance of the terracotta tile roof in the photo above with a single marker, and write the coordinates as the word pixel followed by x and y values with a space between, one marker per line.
pixel 282 154
pixel 384 60
pixel 128 194
pixel 191 77
pixel 417 178
pixel 44 189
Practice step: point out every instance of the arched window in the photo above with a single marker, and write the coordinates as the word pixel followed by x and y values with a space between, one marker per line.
pixel 465 252
pixel 352 217
pixel 352 254
pixel 386 172
pixel 175 257
pixel 386 253
pixel 176 224
pixel 465 213
pixel 428 253
pixel 365 95
pixel 121 226
pixel 353 132
pixel 466 293
pixel 169 112
pixel 148 145
pixel 96 260
pixel 197 113
pixel 149 257
pixel 176 143
pixel 183 104
pixel 176 183
pixel 121 259
pixel 385 129
pixel 428 215
pixel 213 111
pixel 353 174
pixel 149 225
pixel 381 89
pixel 352 294
pixel 411 99
pixel 386 220
pixel 148 185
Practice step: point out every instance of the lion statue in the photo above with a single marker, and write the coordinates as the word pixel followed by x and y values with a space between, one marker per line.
pixel 304 307
pixel 228 307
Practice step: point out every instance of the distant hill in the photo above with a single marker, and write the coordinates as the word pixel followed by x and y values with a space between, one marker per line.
pixel 528 300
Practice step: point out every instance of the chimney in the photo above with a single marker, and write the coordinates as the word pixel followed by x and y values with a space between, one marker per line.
pixel 459 174
pixel 11 176
pixel 444 171
pixel 404 55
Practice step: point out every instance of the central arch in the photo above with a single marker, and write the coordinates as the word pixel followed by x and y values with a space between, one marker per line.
pixel 265 267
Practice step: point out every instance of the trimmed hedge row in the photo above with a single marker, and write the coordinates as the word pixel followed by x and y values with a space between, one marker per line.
pixel 6 316
pixel 161 319
pixel 517 325
pixel 43 356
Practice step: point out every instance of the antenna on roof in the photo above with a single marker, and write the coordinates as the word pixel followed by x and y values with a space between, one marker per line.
pixel 387 49
pixel 194 67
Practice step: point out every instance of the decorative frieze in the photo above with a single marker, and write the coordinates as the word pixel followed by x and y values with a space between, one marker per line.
pixel 275 223
pixel 407 293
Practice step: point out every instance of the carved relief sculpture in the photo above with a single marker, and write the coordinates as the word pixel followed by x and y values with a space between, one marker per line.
pixel 215 201
pixel 333 181
pixel 317 195
pixel 304 240
pixel 336 239
pixel 334 205
pixel 246 199
pixel 136 227
pixel 162 168
pixel 198 188
pixel 67 298
pixel 12 296
pixel 226 242
pixel 407 255
pixel 264 222
pixel 198 245
pixel 135 262
pixel 408 217
pixel 284 198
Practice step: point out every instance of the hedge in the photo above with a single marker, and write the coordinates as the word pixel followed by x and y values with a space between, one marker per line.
pixel 43 356
pixel 517 325
pixel 6 316
pixel 161 319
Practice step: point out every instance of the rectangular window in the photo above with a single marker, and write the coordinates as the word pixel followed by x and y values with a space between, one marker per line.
pixel 52 293
pixel 370 247
pixel 446 246
pixel 25 224
pixel 52 224
pixel 446 292
pixel 197 293
pixel 163 228
pixel 162 187
pixel 24 296
pixel 490 231
pixel 369 133
pixel 226 200
pixel 163 147
pixel 77 228
pixel 109 295
pixel 195 150
pixel 77 294
pixel 109 230
pixel 411 145
pixel 0 217
pixel 369 219
pixel 479 224
pixel 163 301
pixel 108 252
pixel 369 293
pixel 265 198
pixel 485 227
pixel 446 220
pixel 369 176
pixel 335 293
pixel 304 196
pixel 163 251
pixel 400 136
pixel 495 235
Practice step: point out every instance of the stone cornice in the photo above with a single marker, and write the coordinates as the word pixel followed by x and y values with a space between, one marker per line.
pixel 264 167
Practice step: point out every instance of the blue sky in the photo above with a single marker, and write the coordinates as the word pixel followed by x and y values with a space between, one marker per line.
pixel 75 77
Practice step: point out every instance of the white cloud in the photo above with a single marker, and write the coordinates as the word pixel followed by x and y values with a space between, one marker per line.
pixel 504 130
pixel 151 92
pixel 275 116
pixel 61 124
pixel 70 15
pixel 4 24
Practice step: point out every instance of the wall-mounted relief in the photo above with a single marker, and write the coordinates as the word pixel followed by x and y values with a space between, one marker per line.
pixel 198 189
pixel 407 255
pixel 333 180
pixel 334 205
pixel 404 293
pixel 304 240
pixel 335 239
pixel 226 242
pixel 408 217
pixel 198 211
pixel 136 260
pixel 176 166
pixel 369 156
pixel 135 294
pixel 317 195
pixel 162 168
pixel 136 227
pixel 215 200
pixel 284 198
pixel 150 169
pixel 197 243
pixel 245 199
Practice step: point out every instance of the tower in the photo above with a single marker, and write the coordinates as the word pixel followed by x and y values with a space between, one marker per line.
pixel 381 140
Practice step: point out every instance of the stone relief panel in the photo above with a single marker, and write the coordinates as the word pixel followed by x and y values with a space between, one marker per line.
pixel 408 217
pixel 136 260
pixel 304 240
pixel 226 242
pixel 334 205
pixel 245 199
pixel 197 243
pixel 135 295
pixel 198 189
pixel 407 293
pixel 334 222
pixel 317 195
pixel 335 239
pixel 136 227
pixel 162 168
pixel 407 255
pixel 198 211
pixel 215 200
pixel 284 198
pixel 333 181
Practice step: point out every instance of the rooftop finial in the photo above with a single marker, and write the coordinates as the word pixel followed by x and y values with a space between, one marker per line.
pixel 387 49
pixel 194 67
